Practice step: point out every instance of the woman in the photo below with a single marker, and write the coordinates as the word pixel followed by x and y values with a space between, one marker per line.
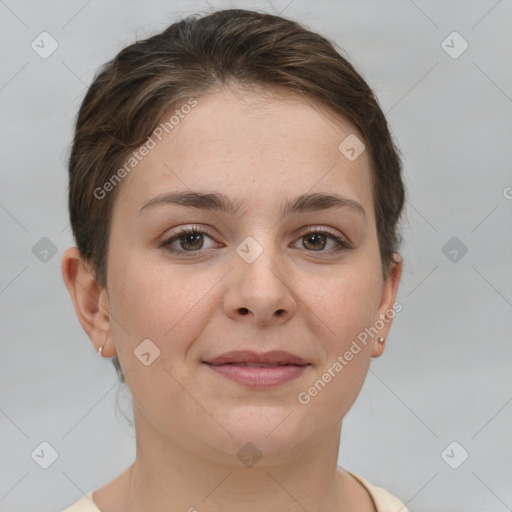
pixel 235 196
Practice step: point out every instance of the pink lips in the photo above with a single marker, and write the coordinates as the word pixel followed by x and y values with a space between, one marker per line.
pixel 258 370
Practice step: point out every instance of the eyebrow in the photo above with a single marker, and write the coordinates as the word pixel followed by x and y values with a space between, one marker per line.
pixel 222 203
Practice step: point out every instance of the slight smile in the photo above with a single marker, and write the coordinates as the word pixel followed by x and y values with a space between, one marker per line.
pixel 258 370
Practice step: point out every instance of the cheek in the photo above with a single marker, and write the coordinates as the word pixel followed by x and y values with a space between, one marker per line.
pixel 346 303
pixel 168 304
pixel 345 309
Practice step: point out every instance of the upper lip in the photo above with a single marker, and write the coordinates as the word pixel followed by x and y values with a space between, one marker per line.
pixel 274 357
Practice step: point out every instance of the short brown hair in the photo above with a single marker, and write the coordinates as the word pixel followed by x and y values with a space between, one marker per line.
pixel 130 94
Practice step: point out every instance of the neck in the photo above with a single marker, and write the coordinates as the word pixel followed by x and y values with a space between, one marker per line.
pixel 168 475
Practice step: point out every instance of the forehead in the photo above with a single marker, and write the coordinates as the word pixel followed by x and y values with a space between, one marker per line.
pixel 258 145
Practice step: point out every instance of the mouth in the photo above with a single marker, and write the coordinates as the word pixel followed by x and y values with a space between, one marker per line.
pixel 258 370
pixel 248 364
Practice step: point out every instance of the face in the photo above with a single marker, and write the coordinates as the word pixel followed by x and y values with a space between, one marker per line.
pixel 281 273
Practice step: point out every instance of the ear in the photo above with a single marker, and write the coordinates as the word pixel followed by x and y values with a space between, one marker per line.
pixel 90 301
pixel 386 311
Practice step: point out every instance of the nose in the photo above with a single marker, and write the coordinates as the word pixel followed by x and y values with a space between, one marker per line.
pixel 259 292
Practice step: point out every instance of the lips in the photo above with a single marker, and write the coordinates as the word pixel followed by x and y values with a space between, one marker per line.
pixel 267 359
pixel 254 370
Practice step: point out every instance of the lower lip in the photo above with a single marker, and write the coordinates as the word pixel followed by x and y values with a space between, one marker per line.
pixel 259 377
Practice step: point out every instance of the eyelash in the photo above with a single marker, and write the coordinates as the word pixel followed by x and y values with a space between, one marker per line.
pixel 342 244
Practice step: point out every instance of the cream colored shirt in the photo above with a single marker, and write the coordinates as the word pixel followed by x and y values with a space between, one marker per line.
pixel 383 500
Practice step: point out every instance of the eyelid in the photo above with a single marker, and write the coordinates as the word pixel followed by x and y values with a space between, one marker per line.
pixel 193 227
pixel 181 230
pixel 324 229
pixel 202 229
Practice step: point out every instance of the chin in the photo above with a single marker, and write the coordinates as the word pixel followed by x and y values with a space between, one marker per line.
pixel 272 430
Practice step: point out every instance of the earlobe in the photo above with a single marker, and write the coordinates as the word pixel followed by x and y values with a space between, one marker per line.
pixel 90 301
pixel 379 343
pixel 387 310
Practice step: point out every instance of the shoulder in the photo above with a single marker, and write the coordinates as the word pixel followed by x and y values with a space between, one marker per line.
pixel 384 500
pixel 85 504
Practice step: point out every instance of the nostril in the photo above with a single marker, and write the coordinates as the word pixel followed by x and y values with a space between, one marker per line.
pixel 244 311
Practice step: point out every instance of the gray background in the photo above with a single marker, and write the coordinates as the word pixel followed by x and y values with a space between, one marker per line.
pixel 446 373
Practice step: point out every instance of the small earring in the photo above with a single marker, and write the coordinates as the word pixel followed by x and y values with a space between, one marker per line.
pixel 99 350
pixel 381 340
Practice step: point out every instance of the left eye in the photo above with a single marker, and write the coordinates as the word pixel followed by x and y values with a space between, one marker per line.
pixel 317 241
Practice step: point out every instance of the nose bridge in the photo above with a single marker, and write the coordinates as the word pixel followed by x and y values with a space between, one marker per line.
pixel 259 285
pixel 260 261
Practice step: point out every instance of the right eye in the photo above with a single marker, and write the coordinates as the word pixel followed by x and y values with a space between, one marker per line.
pixel 189 239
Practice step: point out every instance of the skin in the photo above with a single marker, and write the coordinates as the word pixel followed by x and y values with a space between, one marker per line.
pixel 191 422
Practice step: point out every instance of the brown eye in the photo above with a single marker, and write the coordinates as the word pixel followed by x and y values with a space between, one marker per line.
pixel 316 241
pixel 186 241
pixel 192 240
